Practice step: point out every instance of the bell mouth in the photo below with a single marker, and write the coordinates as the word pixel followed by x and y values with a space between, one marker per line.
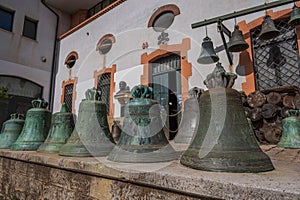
pixel 238 47
pixel 208 59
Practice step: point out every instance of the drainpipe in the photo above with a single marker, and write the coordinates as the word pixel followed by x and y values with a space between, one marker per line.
pixel 54 58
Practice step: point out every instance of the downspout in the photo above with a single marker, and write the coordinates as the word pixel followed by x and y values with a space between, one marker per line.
pixel 54 58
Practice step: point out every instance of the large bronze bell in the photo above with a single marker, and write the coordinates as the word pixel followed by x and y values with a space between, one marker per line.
pixel 237 42
pixel 36 128
pixel 11 130
pixel 224 141
pixel 142 139
pixel 190 117
pixel 61 128
pixel 208 54
pixel 91 136
pixel 295 16
pixel 290 130
pixel 268 29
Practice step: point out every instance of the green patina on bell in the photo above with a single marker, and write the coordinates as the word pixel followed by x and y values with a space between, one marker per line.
pixel 189 123
pixel 224 140
pixel 91 136
pixel 142 139
pixel 36 128
pixel 11 130
pixel 290 130
pixel 61 128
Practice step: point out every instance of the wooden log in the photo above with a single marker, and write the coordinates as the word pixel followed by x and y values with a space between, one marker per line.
pixel 260 136
pixel 257 124
pixel 274 98
pixel 272 133
pixel 282 89
pixel 283 111
pixel 288 101
pixel 255 114
pixel 244 98
pixel 256 99
pixel 297 101
pixel 269 111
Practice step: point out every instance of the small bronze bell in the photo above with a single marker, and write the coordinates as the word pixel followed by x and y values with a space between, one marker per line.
pixel 142 139
pixel 291 130
pixel 36 128
pixel 61 128
pixel 224 140
pixel 91 136
pixel 208 54
pixel 295 16
pixel 268 29
pixel 237 42
pixel 11 130
pixel 190 117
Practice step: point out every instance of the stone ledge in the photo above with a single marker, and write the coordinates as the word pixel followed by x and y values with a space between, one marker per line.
pixel 282 183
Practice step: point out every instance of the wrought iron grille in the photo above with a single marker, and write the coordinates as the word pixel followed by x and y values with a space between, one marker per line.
pixel 104 86
pixel 276 60
pixel 167 64
pixel 68 99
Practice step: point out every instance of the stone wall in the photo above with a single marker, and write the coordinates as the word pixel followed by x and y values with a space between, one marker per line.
pixel 34 176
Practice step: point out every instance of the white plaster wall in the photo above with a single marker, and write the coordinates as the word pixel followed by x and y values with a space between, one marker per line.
pixel 128 23
pixel 21 56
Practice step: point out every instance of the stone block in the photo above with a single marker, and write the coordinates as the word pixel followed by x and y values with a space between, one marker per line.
pixel 80 183
pixel 60 178
pixel 100 188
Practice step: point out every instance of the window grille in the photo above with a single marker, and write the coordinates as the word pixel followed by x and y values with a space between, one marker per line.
pixel 104 86
pixel 68 98
pixel 276 60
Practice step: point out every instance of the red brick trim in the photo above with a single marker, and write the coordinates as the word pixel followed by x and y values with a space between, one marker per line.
pixel 111 70
pixel 170 7
pixel 92 18
pixel 64 84
pixel 186 67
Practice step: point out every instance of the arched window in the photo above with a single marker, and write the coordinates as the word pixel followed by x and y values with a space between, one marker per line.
pixel 71 59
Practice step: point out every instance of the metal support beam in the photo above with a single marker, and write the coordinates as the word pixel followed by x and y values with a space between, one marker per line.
pixel 221 28
pixel 248 11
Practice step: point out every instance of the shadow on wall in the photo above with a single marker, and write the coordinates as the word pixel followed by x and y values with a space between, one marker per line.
pixel 245 66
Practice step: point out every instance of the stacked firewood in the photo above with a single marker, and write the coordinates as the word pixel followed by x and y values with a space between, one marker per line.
pixel 267 108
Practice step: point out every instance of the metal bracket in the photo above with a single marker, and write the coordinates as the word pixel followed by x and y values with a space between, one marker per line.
pixel 223 29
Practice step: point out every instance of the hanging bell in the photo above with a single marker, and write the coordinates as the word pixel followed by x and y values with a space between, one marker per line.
pixel 224 140
pixel 142 139
pixel 190 117
pixel 36 128
pixel 208 54
pixel 291 130
pixel 11 130
pixel 91 136
pixel 295 16
pixel 268 29
pixel 60 131
pixel 237 42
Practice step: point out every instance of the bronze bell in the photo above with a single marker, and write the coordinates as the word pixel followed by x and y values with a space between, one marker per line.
pixel 36 128
pixel 291 130
pixel 208 54
pixel 11 130
pixel 295 16
pixel 268 29
pixel 60 131
pixel 91 136
pixel 224 141
pixel 142 139
pixel 190 117
pixel 237 42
